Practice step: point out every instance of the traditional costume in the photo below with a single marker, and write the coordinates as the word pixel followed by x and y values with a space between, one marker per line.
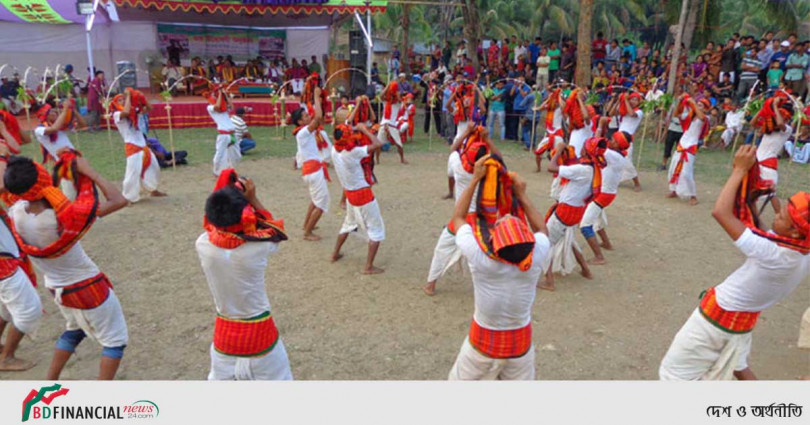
pixel 465 104
pixel 716 339
pixel 19 301
pixel 246 342
pixel 227 153
pixel 362 210
pixel 773 140
pixel 388 124
pixel 629 124
pixel 499 343
pixel 142 168
pixel 313 166
pixel 321 136
pixel 579 182
pixel 13 127
pixel 51 239
pixel 462 163
pixel 595 218
pixel 405 118
pixel 55 146
pixel 554 126
pixel 577 125
pixel 682 164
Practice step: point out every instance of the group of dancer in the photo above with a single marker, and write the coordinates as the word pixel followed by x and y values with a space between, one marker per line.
pixel 507 243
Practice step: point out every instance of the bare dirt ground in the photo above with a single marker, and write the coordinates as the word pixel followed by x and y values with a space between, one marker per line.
pixel 339 324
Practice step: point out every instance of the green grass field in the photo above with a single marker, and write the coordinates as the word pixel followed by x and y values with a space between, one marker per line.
pixel 106 154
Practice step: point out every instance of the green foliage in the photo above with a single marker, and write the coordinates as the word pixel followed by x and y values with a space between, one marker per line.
pixel 166 95
pixel 754 106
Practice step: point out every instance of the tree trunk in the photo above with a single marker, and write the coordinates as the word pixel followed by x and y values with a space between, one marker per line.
pixel 472 29
pixel 676 51
pixel 406 25
pixel 691 23
pixel 583 70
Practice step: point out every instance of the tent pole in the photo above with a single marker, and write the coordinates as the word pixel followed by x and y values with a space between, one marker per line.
pixel 89 45
pixel 370 49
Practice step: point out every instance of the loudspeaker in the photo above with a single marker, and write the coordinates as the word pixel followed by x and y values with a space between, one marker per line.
pixel 358 84
pixel 357 49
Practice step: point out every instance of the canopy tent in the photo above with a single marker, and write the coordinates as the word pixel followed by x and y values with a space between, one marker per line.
pixel 43 33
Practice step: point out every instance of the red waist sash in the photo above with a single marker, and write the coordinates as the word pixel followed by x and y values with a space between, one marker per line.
pixel 604 199
pixel 313 166
pixel 359 197
pixel 131 149
pixel 569 215
pixel 251 337
pixel 684 158
pixel 737 322
pixel 772 163
pixel 87 294
pixel 508 344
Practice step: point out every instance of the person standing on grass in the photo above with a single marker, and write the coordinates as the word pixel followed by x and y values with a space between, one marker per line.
pixel 772 121
pixel 682 166
pixel 313 167
pixel 96 90
pixel 362 209
pixel 505 268
pixel 630 117
pixel 143 169
pixel 226 153
pixel 553 124
pixel 240 235
pixel 715 342
pixel 48 228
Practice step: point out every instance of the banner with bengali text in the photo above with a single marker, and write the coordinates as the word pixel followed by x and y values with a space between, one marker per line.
pixel 210 42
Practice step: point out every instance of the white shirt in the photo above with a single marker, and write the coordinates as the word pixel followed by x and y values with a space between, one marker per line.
pixel 612 173
pixel 578 138
pixel 557 119
pixel 773 143
pixel 519 50
pixel 614 122
pixel 40 230
pixel 53 147
pixel 307 146
pixel 8 244
pixel 394 114
pixel 734 119
pixel 463 180
pixel 630 123
pixel 769 274
pixel 692 134
pixel 503 294
pixel 348 168
pixel 543 60
pixel 578 188
pixel 236 276
pixel 222 119
pixel 128 133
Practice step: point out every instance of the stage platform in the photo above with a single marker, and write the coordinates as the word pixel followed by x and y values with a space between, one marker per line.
pixel 193 114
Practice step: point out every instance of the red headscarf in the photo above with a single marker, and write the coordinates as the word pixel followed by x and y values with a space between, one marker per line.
pixel 765 119
pixel 391 97
pixel 623 106
pixel 255 226
pixel 554 102
pixel 623 139
pixel 594 155
pixel 13 127
pixel 573 111
pixel 138 104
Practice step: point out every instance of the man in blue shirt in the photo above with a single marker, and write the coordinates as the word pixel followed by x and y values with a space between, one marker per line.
pixel 534 52
pixel 519 90
pixel 782 55
pixel 448 126
pixel 629 49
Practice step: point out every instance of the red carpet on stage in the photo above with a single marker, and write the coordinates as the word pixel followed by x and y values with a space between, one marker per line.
pixel 194 114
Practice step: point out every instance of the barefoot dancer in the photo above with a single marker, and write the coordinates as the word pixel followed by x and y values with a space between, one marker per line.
pixel 506 260
pixel 630 118
pixel 472 145
pixel 53 139
pixel 48 228
pixel 715 341
pixel 388 125
pixel 595 219
pixel 143 168
pixel 240 235
pixel 578 119
pixel 554 127
pixel 19 302
pixel 564 217
pixel 772 121
pixel 227 153
pixel 362 210
pixel 406 117
pixel 682 166
pixel 313 168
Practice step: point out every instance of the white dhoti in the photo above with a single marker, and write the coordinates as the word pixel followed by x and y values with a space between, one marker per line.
pixel 685 187
pixel 133 182
pixel 19 302
pixel 563 243
pixel 105 323
pixel 728 135
pixel 318 190
pixel 594 216
pixel 556 188
pixel 461 128
pixel 452 160
pixel 702 351
pixel 629 170
pixel 471 365
pixel 366 217
pixel 389 129
pixel 804 331
pixel 227 153
pixel 273 366
pixel 445 255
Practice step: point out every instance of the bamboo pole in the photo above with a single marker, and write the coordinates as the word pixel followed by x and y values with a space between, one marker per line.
pixel 171 134
pixel 643 137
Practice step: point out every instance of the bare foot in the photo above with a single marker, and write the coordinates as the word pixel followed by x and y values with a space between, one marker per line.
pixel 693 201
pixel 586 274
pixel 597 261
pixel 343 205
pixel 14 364
pixel 158 194
pixel 606 246
pixel 448 196
pixel 404 162
pixel 336 257
pixel 430 288
pixel 637 188
pixel 537 170
pixel 672 195
pixel 312 237
pixel 373 270
pixel 547 286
